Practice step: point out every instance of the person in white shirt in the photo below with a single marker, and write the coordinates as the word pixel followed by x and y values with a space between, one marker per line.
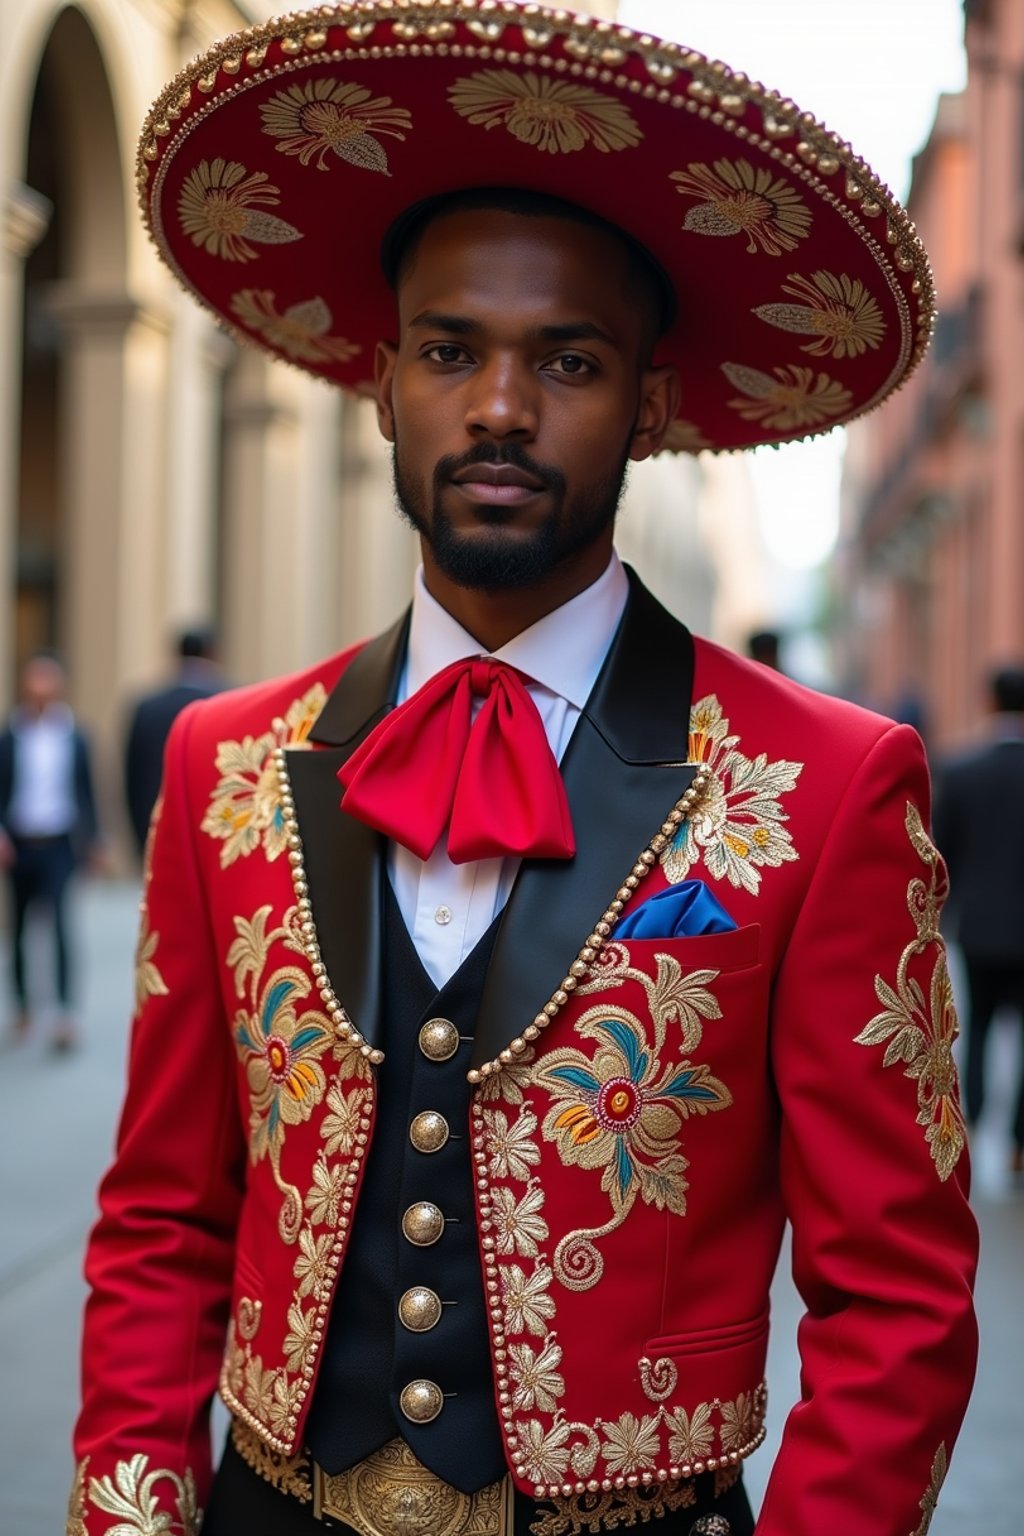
pixel 48 825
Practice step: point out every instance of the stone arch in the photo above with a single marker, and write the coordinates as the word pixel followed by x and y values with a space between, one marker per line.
pixel 74 174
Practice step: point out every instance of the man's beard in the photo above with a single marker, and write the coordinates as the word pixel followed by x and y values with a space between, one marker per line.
pixel 502 561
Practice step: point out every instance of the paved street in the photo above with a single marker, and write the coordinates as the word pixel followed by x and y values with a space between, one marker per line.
pixel 56 1127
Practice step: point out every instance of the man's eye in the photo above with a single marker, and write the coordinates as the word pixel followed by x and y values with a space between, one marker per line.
pixel 445 352
pixel 571 362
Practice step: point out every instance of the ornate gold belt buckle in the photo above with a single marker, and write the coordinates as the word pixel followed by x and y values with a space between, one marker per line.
pixel 393 1494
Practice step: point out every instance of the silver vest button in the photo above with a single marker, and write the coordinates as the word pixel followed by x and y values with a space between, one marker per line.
pixel 419 1309
pixel 429 1131
pixel 421 1401
pixel 439 1039
pixel 423 1223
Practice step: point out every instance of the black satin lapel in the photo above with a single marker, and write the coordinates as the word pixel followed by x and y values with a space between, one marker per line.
pixel 344 859
pixel 624 769
pixel 344 871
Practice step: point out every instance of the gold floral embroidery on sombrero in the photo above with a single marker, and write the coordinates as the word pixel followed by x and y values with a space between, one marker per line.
pixel 839 314
pixel 794 397
pixel 324 117
pixel 222 207
pixel 735 199
pixel 738 827
pixel 553 115
pixel 245 807
pixel 920 1030
pixel 301 332
pixel 684 437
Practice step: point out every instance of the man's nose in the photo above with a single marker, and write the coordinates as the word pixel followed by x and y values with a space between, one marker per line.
pixel 503 401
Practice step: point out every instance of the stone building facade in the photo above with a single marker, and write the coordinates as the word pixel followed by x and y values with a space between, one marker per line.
pixel 933 547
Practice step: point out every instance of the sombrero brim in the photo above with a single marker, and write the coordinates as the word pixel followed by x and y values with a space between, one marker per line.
pixel 271 167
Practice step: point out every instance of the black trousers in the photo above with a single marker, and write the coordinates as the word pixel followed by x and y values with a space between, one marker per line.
pixel 242 1504
pixel 39 876
pixel 990 987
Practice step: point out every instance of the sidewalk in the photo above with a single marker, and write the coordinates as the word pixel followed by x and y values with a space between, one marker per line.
pixel 57 1118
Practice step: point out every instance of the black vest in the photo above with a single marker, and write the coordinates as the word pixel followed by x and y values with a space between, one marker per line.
pixel 369 1354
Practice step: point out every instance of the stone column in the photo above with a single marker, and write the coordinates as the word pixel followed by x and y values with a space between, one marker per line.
pixel 112 466
pixel 24 220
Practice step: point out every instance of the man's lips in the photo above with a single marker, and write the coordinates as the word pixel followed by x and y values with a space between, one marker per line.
pixel 497 484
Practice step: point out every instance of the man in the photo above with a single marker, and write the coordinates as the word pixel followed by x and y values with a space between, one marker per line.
pixel 472 1110
pixel 197 677
pixel 987 874
pixel 48 826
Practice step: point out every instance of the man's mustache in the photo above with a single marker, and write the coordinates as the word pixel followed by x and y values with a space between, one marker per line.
pixel 512 454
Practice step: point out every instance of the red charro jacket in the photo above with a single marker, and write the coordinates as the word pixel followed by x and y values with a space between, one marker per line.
pixel 645 1114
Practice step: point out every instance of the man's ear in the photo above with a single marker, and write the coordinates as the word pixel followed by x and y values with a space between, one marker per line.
pixel 659 405
pixel 384 361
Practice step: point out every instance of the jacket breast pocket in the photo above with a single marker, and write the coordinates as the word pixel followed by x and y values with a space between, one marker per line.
pixel 737 950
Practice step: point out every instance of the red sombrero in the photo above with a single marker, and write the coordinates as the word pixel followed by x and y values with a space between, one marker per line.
pixel 271 167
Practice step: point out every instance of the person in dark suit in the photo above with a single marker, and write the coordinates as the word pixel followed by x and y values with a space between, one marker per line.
pixel 979 827
pixel 48 822
pixel 198 677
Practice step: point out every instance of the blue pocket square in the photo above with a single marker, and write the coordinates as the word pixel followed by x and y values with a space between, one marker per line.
pixel 678 912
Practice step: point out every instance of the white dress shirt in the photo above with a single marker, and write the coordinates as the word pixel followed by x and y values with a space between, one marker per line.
pixel 43 800
pixel 448 907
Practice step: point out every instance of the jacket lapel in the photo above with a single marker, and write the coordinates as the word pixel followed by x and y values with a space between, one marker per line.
pixel 344 859
pixel 624 769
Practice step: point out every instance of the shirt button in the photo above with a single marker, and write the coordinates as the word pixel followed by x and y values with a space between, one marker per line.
pixel 443 916
pixel 429 1131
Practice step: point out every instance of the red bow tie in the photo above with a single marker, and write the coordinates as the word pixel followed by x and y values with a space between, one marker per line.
pixel 492 780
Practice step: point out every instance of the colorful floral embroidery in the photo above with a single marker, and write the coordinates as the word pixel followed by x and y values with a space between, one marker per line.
pixel 323 117
pixel 131 1496
pixel 279 1046
pixel 620 1109
pixel 736 199
pixel 222 207
pixel 920 1030
pixel 738 828
pixel 553 115
pixel 838 312
pixel 302 332
pixel 793 398
pixel 930 1497
pixel 245 807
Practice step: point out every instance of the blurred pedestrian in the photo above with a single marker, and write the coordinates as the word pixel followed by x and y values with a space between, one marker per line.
pixel 763 646
pixel 979 828
pixel 198 676
pixel 48 824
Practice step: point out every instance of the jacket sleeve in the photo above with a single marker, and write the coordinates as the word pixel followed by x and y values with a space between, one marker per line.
pixel 874 1171
pixel 159 1259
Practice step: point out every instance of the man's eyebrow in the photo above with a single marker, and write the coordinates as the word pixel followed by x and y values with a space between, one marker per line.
pixel 437 320
pixel 462 325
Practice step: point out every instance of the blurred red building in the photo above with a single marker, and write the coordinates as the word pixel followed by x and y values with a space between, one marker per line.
pixel 931 565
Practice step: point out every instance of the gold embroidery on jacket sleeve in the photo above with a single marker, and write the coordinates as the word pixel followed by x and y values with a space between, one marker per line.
pixel 131 1496
pixel 920 1030
pixel 148 980
pixel 76 1502
pixel 930 1497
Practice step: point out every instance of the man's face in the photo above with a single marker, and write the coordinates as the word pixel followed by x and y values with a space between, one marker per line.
pixel 515 395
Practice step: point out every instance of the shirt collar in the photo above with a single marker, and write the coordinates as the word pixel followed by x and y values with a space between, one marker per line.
pixel 563 651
